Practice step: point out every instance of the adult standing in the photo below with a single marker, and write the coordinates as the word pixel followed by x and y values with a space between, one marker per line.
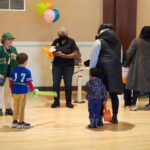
pixel 63 66
pixel 106 55
pixel 138 57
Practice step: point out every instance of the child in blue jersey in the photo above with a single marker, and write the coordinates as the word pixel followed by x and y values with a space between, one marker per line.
pixel 20 81
pixel 96 94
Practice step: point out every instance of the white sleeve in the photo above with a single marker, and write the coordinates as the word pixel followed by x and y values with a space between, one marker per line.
pixel 95 53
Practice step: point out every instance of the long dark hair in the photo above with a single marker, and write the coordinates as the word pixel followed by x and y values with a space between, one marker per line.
pixel 103 26
pixel 145 33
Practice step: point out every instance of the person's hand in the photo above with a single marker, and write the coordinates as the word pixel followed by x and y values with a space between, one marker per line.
pixel 1 77
pixel 56 54
pixel 59 54
pixel 104 101
pixel 90 77
pixel 35 92
pixel 62 55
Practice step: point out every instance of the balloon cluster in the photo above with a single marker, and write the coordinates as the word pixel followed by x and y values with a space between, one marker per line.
pixel 46 9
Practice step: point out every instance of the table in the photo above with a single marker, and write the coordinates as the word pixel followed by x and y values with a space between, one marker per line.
pixel 79 71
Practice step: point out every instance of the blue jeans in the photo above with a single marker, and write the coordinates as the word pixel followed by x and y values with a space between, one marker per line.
pixel 67 73
pixel 94 107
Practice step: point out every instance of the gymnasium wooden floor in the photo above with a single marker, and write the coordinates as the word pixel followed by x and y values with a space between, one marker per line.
pixel 66 129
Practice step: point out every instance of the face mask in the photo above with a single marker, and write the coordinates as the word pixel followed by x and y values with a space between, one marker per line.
pixel 62 37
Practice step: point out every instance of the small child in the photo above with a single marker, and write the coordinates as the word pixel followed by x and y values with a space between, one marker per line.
pixel 8 54
pixel 96 93
pixel 20 80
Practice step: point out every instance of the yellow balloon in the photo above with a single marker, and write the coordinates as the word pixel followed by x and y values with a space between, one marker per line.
pixel 41 7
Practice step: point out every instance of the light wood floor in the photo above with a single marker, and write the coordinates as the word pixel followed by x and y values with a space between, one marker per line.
pixel 66 129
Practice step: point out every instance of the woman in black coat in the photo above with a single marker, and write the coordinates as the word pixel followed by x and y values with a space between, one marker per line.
pixel 106 56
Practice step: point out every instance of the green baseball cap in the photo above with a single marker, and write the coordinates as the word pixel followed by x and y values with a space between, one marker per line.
pixel 7 36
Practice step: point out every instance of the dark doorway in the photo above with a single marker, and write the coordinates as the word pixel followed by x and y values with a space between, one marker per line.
pixel 122 14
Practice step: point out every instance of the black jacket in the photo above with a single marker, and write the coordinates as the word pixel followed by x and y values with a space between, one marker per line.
pixel 109 61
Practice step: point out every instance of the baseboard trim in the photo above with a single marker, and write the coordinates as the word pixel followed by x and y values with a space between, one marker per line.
pixel 62 88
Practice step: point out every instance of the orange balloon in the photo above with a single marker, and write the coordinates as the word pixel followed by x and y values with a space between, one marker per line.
pixel 47 1
pixel 49 5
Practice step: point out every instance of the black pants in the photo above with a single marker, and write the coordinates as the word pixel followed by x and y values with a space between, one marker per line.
pixel 135 96
pixel 67 73
pixel 115 102
pixel 127 97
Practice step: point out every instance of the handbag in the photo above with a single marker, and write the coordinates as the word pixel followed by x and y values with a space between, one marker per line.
pixel 107 114
pixel 125 72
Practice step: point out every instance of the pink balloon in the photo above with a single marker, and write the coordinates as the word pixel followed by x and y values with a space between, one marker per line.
pixel 49 16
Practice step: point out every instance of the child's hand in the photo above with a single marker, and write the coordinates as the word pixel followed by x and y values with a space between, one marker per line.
pixel 104 102
pixel 86 96
pixel 35 92
pixel 90 77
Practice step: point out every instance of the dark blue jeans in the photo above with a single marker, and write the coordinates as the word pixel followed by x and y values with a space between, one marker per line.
pixel 67 73
pixel 94 107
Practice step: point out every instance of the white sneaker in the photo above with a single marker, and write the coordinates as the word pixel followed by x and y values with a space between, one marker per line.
pixel 128 107
pixel 14 124
pixel 133 108
pixel 23 125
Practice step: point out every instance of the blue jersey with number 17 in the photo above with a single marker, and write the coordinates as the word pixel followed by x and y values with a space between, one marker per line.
pixel 20 76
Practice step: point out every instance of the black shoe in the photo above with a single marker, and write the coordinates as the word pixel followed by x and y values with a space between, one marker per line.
pixel 9 112
pixel 1 112
pixel 114 119
pixel 100 123
pixel 69 105
pixel 91 127
pixel 92 124
pixel 147 105
pixel 55 104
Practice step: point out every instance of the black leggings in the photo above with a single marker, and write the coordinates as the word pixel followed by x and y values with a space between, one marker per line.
pixel 115 102
pixel 135 96
pixel 127 96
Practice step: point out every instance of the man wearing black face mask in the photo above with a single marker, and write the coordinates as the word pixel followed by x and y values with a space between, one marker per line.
pixel 63 65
